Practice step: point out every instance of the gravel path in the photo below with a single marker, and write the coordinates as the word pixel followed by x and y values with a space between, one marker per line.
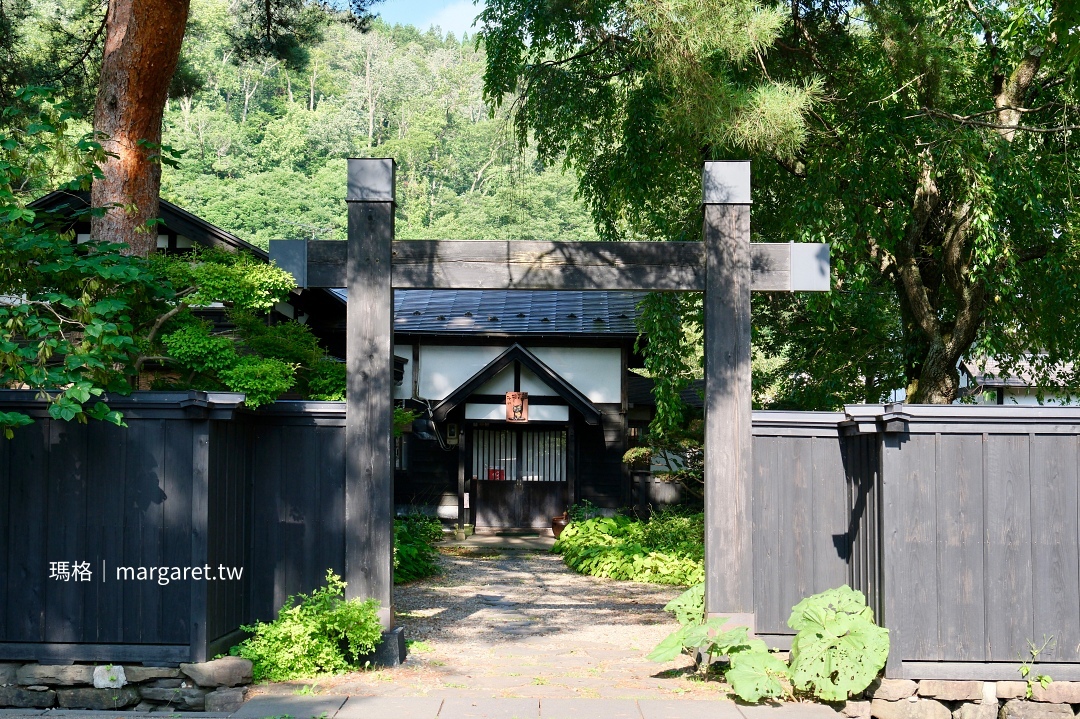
pixel 520 624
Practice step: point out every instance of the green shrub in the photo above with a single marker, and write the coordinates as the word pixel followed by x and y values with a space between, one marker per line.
pixel 414 553
pixel 836 653
pixel 667 549
pixel 314 634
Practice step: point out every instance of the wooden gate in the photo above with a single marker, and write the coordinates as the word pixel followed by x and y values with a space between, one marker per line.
pixel 519 476
pixel 725 266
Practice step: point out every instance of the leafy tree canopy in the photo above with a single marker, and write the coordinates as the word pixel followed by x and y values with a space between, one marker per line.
pixel 266 142
pixel 89 320
pixel 931 143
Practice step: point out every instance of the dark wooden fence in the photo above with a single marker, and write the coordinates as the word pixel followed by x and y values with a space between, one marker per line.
pixel 166 491
pixel 980 539
pixel 959 523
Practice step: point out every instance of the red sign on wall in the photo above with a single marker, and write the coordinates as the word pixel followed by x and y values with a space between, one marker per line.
pixel 497 474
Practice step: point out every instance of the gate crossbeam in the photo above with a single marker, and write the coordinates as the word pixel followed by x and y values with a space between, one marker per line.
pixel 528 265
pixel 725 265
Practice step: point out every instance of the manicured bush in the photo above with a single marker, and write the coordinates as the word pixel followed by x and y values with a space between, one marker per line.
pixel 414 551
pixel 314 634
pixel 667 549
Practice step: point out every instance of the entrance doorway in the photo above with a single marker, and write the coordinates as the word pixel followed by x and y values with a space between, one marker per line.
pixel 519 476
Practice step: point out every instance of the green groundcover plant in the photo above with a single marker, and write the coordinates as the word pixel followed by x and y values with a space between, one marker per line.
pixel 414 551
pixel 666 549
pixel 837 650
pixel 314 634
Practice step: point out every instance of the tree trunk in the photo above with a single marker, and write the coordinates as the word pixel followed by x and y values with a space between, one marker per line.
pixel 369 83
pixel 939 378
pixel 142 47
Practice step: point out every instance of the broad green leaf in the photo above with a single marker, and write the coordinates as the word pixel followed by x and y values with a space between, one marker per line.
pixel 756 675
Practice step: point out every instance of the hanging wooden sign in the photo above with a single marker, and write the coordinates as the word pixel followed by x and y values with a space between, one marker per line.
pixel 517 406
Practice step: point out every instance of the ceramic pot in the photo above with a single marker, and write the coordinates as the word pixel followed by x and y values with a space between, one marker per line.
pixel 558 524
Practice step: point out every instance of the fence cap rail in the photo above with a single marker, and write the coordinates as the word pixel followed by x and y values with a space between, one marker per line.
pixel 964 418
pixel 785 422
pixel 220 405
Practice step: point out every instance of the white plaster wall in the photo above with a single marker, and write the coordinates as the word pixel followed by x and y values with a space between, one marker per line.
pixel 404 390
pixel 500 383
pixel 537 412
pixel 1019 397
pixel 445 368
pixel 595 371
pixel 534 385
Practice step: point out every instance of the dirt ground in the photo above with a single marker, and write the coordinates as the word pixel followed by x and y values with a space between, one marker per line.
pixel 512 623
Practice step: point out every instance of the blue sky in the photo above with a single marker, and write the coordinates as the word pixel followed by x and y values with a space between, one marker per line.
pixel 451 15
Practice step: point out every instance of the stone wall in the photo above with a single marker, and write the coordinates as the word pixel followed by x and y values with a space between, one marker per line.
pixel 215 686
pixel 937 699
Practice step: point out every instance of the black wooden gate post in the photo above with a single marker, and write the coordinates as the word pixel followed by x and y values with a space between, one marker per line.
pixel 729 587
pixel 369 474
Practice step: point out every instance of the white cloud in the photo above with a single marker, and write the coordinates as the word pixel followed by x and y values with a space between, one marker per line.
pixel 457 17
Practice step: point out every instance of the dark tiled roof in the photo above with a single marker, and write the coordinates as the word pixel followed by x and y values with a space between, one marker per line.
pixel 176 218
pixel 514 312
pixel 639 391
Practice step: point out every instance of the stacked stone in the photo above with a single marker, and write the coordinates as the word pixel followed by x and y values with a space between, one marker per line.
pixel 938 699
pixel 214 686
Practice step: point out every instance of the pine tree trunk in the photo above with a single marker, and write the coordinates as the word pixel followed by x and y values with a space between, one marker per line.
pixel 142 47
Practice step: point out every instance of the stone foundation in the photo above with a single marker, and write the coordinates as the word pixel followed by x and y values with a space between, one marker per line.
pixel 938 699
pixel 217 686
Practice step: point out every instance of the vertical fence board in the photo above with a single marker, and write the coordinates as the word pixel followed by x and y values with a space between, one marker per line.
pixel 1008 589
pixel 268 590
pixel 331 508
pixel 29 524
pixel 67 510
pixel 766 533
pixel 796 546
pixel 1056 584
pixel 176 528
pixel 103 609
pixel 913 556
pixel 830 520
pixel 6 529
pixel 961 584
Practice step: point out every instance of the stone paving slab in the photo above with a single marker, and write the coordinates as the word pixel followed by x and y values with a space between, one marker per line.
pixel 790 710
pixel 390 708
pixel 495 541
pixel 490 709
pixel 589 709
pixel 297 707
pixel 129 714
pixel 685 709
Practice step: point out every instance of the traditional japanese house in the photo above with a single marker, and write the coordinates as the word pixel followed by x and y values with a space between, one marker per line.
pixel 523 403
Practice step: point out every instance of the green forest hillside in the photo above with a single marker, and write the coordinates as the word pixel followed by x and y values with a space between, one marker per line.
pixel 265 146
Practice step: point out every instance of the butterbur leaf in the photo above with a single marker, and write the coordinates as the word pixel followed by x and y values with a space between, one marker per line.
pixel 756 675
pixel 669 648
pixel 688 607
pixel 838 650
pixel 809 613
